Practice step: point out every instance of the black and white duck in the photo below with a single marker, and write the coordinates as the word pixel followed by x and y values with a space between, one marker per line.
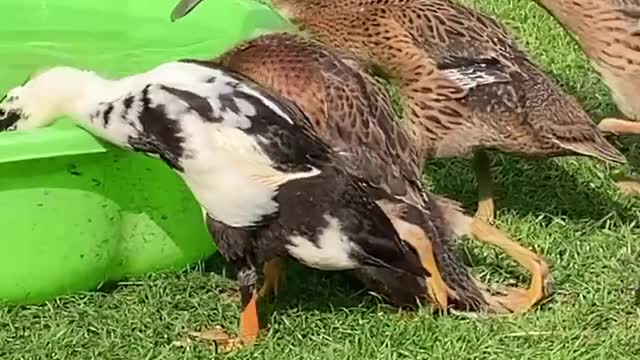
pixel 268 186
pixel 352 113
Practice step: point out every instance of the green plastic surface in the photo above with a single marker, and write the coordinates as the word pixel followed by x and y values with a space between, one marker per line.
pixel 75 212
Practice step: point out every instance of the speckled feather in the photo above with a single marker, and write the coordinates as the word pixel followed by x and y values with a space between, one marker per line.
pixel 248 156
pixel 609 33
pixel 349 109
pixel 466 83
pixel 352 113
pixel 334 191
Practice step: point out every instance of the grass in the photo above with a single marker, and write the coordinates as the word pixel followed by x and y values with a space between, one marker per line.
pixel 566 209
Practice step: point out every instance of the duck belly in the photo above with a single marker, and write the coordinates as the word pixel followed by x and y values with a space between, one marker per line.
pixel 625 90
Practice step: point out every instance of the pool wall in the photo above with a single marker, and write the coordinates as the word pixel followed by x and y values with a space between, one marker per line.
pixel 74 211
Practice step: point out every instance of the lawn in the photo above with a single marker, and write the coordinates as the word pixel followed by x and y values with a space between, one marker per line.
pixel 568 210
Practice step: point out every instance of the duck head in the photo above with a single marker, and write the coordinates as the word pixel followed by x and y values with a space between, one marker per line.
pixel 41 100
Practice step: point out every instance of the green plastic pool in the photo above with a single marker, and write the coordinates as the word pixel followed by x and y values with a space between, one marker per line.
pixel 75 212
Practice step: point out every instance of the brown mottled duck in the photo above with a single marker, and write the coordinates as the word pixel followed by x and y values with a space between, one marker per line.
pixel 352 113
pixel 608 31
pixel 467 86
pixel 252 168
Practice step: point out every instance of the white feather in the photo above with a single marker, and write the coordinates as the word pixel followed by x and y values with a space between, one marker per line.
pixel 470 77
pixel 234 179
pixel 331 252
pixel 226 169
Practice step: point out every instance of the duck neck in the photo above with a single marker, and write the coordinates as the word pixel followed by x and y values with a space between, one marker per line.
pixel 331 22
pixel 414 124
pixel 87 99
pixel 81 94
pixel 313 14
pixel 293 10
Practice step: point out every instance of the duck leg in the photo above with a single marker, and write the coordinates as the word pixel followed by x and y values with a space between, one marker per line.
pixel 235 244
pixel 274 277
pixel 482 169
pixel 619 126
pixel 515 300
pixel 249 322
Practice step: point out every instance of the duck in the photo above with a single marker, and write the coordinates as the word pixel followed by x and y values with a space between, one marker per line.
pixel 352 113
pixel 246 155
pixel 608 32
pixel 466 86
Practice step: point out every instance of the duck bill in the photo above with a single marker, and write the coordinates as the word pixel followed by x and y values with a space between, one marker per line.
pixel 183 8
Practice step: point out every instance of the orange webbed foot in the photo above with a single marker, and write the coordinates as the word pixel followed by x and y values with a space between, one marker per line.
pixel 222 340
pixel 515 300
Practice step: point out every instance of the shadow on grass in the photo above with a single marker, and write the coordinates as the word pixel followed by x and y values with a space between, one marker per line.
pixel 528 187
pixel 308 289
pixel 629 145
pixel 305 283
pixel 532 187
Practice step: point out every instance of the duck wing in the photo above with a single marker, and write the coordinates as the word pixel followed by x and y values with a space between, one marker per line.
pixel 471 49
pixel 505 89
pixel 345 108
